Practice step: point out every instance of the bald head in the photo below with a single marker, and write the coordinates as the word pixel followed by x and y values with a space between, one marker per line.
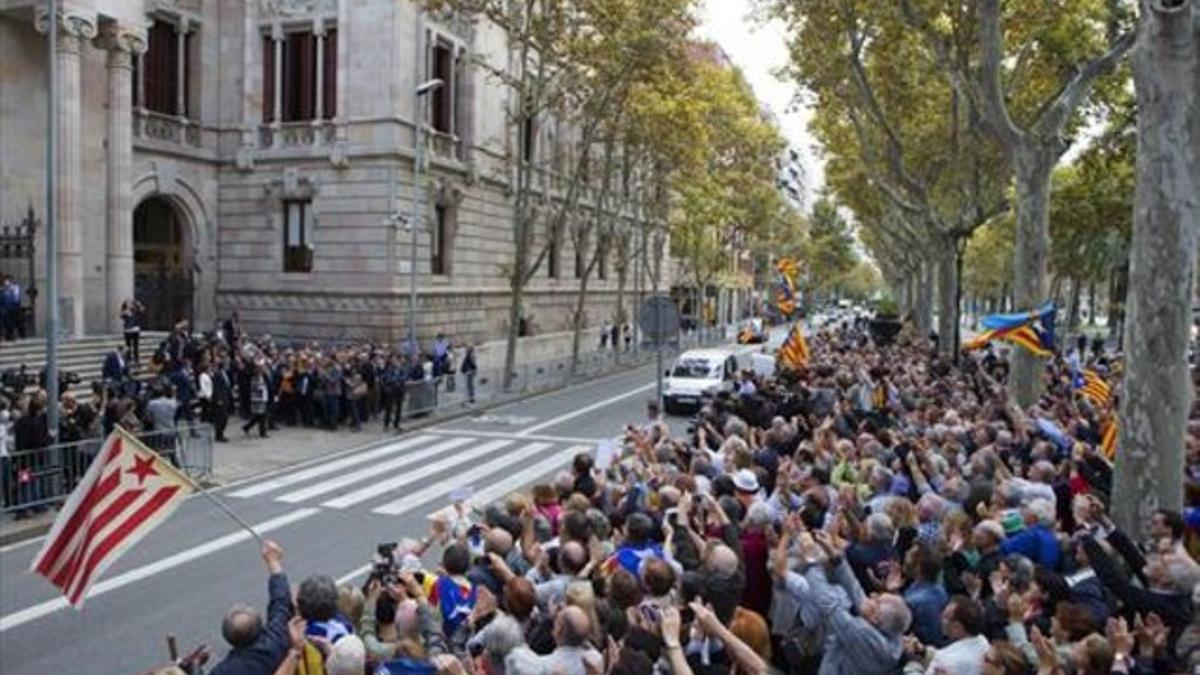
pixel 572 557
pixel 572 627
pixel 241 626
pixel 498 541
pixel 723 560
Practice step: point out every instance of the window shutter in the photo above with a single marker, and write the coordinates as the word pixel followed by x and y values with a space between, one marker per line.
pixel 306 48
pixel 268 80
pixel 331 69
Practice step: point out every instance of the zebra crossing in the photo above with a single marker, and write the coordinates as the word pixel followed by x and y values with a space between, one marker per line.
pixel 402 475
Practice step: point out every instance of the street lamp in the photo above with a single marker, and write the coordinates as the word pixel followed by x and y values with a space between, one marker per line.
pixel 422 92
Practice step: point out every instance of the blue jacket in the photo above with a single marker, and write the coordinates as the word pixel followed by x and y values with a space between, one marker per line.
pixel 1036 543
pixel 927 602
pixel 267 652
pixel 114 367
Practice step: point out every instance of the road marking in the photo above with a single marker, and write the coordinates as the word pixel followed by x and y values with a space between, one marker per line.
pixel 385 486
pixel 441 488
pixel 584 410
pixel 329 467
pixel 518 480
pixel 373 471
pixel 353 574
pixel 138 573
pixel 514 436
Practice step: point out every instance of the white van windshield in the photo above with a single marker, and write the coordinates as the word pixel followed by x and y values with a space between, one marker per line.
pixel 698 369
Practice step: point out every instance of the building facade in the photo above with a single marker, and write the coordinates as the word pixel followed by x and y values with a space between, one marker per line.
pixel 258 156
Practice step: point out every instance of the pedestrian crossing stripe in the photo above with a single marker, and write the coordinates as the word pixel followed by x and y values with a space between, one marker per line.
pixel 520 479
pixel 377 488
pixel 433 491
pixel 330 467
pixel 383 472
pixel 375 470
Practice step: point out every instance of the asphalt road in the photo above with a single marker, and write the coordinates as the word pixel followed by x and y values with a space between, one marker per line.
pixel 328 515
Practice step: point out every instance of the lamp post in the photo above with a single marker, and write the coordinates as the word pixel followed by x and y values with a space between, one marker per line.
pixel 414 222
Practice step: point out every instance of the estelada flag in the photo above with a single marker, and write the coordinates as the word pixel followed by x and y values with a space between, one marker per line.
pixel 127 491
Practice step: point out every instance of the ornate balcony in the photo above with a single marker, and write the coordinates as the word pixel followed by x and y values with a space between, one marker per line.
pixel 296 135
pixel 154 126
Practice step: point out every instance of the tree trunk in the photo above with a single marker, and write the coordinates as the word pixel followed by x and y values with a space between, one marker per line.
pixel 1157 389
pixel 1073 305
pixel 1092 303
pixel 924 313
pixel 947 292
pixel 577 338
pixel 1033 166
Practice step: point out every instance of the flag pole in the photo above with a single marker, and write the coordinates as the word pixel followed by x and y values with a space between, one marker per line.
pixel 196 486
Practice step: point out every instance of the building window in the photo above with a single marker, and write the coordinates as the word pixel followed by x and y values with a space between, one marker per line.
pixel 158 71
pixel 553 255
pixel 307 88
pixel 439 240
pixel 297 236
pixel 528 133
pixel 579 261
pixel 602 268
pixel 442 103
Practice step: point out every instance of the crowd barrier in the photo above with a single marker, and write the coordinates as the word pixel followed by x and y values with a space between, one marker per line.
pixel 486 387
pixel 31 479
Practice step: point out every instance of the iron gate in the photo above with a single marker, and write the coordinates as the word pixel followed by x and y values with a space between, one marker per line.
pixel 17 248
pixel 167 296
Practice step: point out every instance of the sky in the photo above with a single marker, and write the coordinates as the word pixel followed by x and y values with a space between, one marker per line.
pixel 759 49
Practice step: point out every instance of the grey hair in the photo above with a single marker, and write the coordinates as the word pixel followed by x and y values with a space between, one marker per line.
pixel 317 597
pixel 1043 510
pixel 1009 495
pixel 758 515
pixel 502 636
pixel 735 426
pixel 1182 572
pixel 881 473
pixel 879 527
pixel 894 615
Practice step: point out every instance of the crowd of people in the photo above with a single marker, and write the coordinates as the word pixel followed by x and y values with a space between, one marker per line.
pixel 222 375
pixel 881 511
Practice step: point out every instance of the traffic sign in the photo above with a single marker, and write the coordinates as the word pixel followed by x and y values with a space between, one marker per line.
pixel 659 318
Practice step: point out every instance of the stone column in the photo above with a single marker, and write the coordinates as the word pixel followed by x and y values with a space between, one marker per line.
pixel 319 108
pixel 75 29
pixel 123 45
pixel 182 64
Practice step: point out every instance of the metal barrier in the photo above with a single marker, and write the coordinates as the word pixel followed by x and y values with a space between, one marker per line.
pixel 486 387
pixel 44 476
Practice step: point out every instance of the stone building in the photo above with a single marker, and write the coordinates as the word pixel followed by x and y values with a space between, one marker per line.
pixel 257 156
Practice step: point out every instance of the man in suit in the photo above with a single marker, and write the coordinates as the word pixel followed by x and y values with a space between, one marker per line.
pixel 116 366
pixel 222 399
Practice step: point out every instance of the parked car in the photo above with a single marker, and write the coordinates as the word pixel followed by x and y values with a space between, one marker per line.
pixel 753 332
pixel 696 375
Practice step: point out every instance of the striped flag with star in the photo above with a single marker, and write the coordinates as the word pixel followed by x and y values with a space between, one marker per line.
pixel 126 492
pixel 1093 387
pixel 793 353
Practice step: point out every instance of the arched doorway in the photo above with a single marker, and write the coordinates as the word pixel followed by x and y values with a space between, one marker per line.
pixel 162 271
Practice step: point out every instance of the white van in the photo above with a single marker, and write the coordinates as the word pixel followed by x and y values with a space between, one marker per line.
pixel 698 373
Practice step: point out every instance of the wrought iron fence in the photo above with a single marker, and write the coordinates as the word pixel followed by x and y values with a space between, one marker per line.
pixel 33 479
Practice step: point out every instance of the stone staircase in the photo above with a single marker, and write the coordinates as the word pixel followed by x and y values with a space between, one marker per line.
pixel 83 356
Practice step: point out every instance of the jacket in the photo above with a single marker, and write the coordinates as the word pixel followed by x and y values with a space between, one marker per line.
pixel 852 645
pixel 115 367
pixel 1174 608
pixel 272 644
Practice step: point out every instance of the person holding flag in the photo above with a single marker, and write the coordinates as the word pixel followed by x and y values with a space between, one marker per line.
pixel 793 353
